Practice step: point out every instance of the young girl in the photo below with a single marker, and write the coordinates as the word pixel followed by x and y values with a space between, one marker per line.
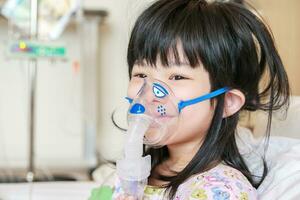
pixel 197 47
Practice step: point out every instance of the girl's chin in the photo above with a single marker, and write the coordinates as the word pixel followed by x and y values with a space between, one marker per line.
pixel 153 135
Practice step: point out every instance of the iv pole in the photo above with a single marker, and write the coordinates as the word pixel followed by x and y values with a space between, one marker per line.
pixel 32 74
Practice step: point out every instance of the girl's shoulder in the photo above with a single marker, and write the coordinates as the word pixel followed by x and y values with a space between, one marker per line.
pixel 219 183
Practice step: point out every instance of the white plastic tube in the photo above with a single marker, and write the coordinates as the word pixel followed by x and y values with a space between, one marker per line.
pixel 134 169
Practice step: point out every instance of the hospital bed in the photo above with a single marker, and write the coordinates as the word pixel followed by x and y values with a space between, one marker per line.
pixel 283 158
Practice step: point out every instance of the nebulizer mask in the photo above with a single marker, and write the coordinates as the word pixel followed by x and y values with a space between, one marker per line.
pixel 153 117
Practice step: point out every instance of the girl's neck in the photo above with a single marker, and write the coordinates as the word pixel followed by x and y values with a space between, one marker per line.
pixel 181 154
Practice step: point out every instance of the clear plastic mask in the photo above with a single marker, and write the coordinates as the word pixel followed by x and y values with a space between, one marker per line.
pixel 157 101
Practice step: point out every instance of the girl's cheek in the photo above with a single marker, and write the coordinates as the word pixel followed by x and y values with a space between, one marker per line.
pixel 185 93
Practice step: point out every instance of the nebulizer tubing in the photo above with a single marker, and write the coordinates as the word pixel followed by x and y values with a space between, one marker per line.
pixel 134 169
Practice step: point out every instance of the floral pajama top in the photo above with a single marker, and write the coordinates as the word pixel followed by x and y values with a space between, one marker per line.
pixel 219 183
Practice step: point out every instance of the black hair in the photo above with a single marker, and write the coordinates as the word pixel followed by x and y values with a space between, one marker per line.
pixel 236 48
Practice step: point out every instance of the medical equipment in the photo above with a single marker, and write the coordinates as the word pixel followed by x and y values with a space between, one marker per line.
pixel 79 124
pixel 157 100
pixel 133 170
pixel 24 16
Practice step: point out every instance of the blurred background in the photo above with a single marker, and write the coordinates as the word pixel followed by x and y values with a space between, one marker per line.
pixel 76 90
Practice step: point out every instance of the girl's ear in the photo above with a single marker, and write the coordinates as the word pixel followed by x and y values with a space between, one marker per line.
pixel 234 100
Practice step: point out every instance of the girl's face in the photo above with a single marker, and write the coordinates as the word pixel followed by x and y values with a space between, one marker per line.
pixel 186 83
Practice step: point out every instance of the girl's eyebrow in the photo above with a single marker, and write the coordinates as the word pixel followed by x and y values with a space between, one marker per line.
pixel 179 64
pixel 170 63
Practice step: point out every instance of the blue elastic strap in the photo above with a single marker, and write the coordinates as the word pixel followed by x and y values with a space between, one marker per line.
pixel 129 99
pixel 183 104
pixel 213 94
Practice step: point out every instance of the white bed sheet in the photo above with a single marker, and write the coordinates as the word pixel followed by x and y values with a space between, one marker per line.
pixel 283 159
pixel 47 191
pixel 283 180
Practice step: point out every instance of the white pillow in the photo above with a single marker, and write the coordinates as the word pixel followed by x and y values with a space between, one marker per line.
pixel 283 159
pixel 281 126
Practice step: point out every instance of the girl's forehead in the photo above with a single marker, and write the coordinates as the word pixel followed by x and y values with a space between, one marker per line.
pixel 173 56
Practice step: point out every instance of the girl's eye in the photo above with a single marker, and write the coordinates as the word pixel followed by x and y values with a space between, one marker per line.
pixel 177 77
pixel 140 75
